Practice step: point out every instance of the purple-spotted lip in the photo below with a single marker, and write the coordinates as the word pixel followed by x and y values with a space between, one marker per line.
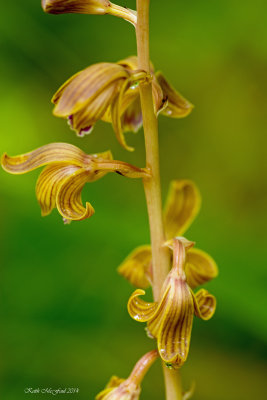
pixel 81 132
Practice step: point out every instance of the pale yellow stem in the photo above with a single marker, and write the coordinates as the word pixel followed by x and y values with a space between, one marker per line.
pixel 160 254
pixel 173 385
pixel 122 12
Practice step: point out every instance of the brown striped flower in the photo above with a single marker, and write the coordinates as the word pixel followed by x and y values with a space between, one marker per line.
pixel 67 170
pixel 129 389
pixel 181 208
pixel 170 320
pixel 88 95
pixel 110 91
pixel 88 7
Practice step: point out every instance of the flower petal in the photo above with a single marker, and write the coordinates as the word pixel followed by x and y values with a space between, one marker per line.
pixel 49 183
pixel 139 309
pixel 178 106
pixel 159 101
pixel 174 332
pixel 69 203
pixel 116 112
pixel 135 267
pixel 182 206
pixel 205 304
pixel 75 6
pixel 85 86
pixel 131 118
pixel 200 268
pixel 87 116
pixel 50 153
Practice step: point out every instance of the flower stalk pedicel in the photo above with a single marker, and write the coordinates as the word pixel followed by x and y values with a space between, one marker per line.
pixel 129 94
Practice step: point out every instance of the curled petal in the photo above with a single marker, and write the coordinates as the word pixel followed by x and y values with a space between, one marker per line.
pixel 174 332
pixel 205 304
pixel 50 153
pixel 83 120
pixel 48 185
pixel 68 199
pixel 200 268
pixel 131 113
pixel 85 86
pixel 116 112
pixel 139 309
pixel 131 119
pixel 135 267
pixel 182 206
pixel 178 106
pixel 159 101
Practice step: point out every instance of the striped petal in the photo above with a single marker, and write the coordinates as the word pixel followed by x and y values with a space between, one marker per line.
pixel 200 268
pixel 131 119
pixel 182 206
pixel 75 6
pixel 116 112
pixel 178 106
pixel 68 200
pixel 159 101
pixel 48 185
pixel 85 86
pixel 139 309
pixel 50 153
pixel 135 267
pixel 205 304
pixel 83 120
pixel 176 325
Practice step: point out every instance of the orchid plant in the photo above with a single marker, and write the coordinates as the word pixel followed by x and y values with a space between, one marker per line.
pixel 130 94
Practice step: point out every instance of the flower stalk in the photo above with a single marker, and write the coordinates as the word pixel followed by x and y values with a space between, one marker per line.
pixel 160 255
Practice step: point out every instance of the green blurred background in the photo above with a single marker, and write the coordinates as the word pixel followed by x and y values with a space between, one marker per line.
pixel 63 306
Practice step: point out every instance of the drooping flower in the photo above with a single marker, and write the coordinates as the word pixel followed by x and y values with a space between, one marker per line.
pixel 170 320
pixel 88 7
pixel 86 96
pixel 67 170
pixel 129 389
pixel 110 91
pixel 182 206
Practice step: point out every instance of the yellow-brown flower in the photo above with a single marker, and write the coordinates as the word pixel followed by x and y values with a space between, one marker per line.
pixel 110 91
pixel 86 97
pixel 182 206
pixel 88 7
pixel 129 389
pixel 170 320
pixel 67 170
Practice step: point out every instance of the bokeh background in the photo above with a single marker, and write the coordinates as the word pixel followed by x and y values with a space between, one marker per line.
pixel 63 306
